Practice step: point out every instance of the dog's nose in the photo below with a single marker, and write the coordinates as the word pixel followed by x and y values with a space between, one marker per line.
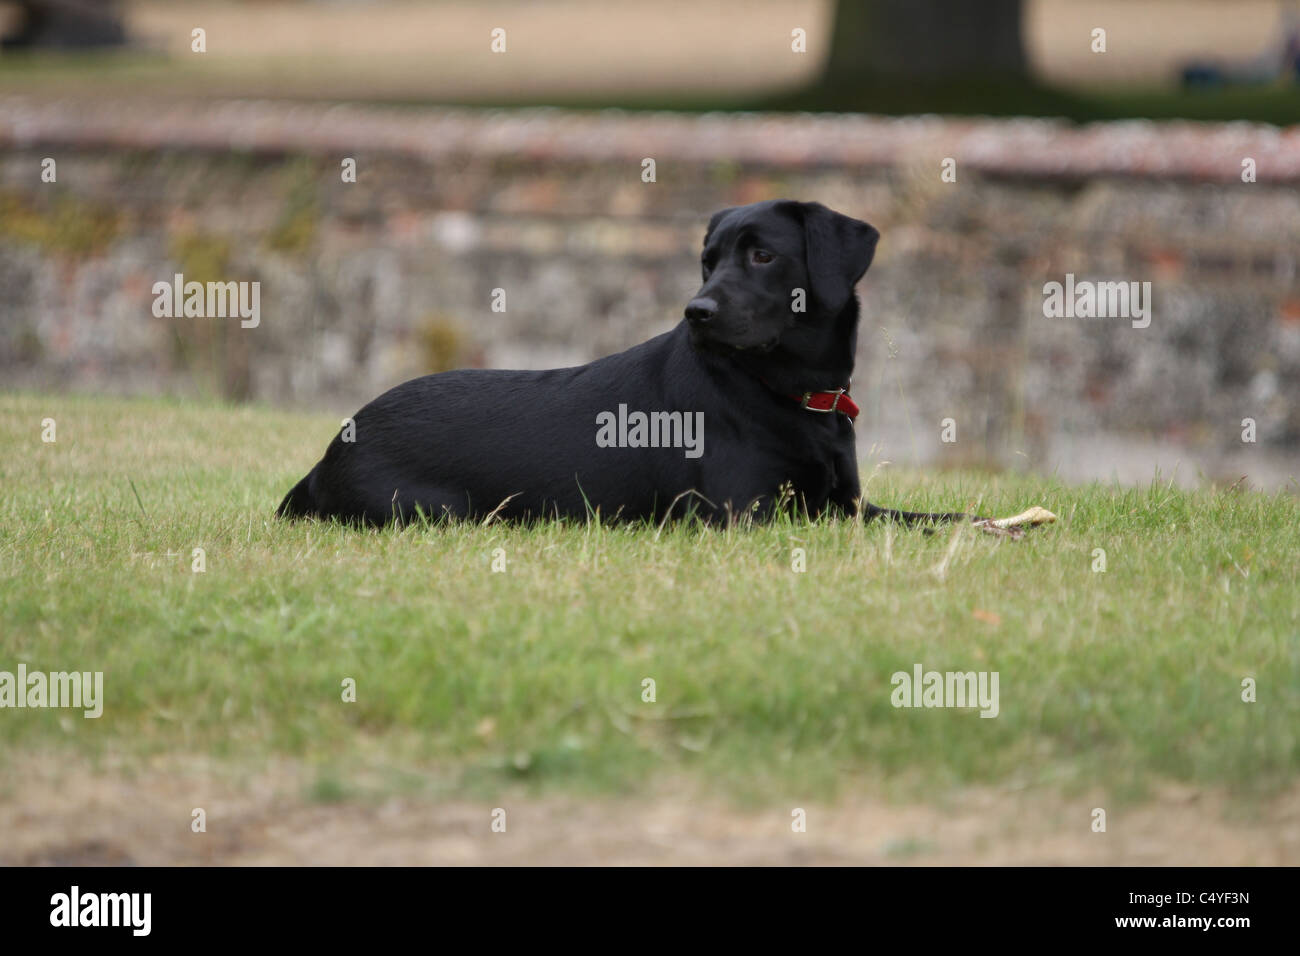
pixel 701 310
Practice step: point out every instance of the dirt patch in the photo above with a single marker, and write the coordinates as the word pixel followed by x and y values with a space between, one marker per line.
pixel 143 817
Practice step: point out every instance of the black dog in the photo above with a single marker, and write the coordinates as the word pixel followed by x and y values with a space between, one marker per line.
pixel 743 407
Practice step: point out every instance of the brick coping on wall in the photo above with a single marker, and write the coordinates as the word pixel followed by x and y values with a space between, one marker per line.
pixel 1036 148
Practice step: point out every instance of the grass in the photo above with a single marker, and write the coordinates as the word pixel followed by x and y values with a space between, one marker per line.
pixel 1275 104
pixel 330 79
pixel 765 678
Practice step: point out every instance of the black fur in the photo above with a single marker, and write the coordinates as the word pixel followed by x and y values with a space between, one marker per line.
pixel 523 444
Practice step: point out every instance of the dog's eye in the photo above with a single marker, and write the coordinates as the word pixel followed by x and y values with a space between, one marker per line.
pixel 760 257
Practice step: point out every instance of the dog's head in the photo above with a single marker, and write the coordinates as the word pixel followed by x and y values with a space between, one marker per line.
pixel 777 272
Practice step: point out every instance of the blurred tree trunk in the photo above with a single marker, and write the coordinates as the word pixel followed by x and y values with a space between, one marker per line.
pixel 67 24
pixel 926 40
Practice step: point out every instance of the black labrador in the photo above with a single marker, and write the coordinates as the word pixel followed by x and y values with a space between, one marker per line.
pixel 742 408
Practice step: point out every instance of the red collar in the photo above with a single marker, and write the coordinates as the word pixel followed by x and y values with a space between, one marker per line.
pixel 825 402
pixel 836 401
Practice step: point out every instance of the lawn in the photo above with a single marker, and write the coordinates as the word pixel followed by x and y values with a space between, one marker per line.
pixel 765 679
pixel 669 55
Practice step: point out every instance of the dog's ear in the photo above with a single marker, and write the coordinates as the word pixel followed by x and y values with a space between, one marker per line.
pixel 838 249
pixel 713 223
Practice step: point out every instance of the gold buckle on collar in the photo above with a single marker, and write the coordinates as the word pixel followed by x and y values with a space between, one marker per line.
pixel 807 397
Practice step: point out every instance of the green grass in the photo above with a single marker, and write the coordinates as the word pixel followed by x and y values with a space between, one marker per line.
pixel 765 678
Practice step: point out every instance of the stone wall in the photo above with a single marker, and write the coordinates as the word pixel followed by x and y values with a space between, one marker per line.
pixel 365 284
